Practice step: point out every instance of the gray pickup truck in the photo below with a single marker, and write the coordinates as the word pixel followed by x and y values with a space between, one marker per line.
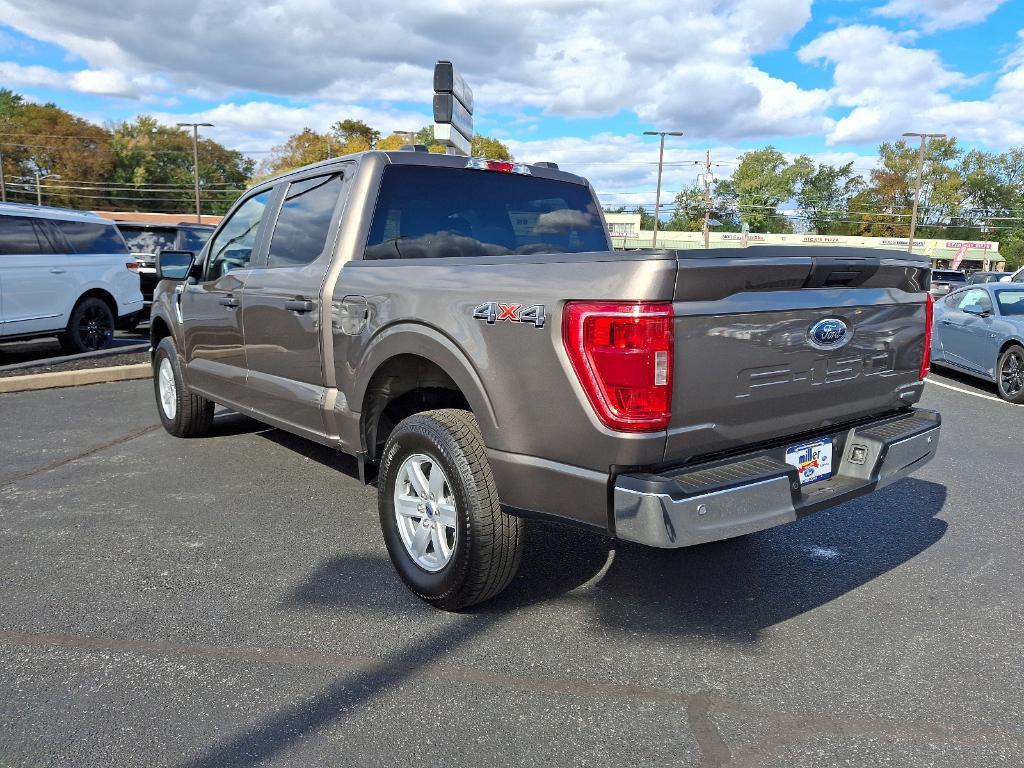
pixel 465 330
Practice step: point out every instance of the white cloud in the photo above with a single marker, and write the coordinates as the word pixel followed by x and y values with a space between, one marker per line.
pixel 684 61
pixel 101 82
pixel 940 14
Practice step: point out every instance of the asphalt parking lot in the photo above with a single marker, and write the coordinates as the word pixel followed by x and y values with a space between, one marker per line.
pixel 228 602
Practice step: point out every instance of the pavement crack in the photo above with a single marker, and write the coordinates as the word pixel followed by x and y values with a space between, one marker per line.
pixel 714 752
pixel 95 449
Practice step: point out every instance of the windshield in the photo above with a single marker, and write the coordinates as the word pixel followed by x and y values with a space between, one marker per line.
pixel 1010 302
pixel 148 240
pixel 431 212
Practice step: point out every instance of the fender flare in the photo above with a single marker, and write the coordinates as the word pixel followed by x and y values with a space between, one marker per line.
pixel 424 341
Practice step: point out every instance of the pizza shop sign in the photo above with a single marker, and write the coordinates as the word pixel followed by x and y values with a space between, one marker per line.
pixel 958 244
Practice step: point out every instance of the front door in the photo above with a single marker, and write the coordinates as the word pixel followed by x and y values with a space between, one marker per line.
pixel 210 309
pixel 965 336
pixel 38 282
pixel 281 306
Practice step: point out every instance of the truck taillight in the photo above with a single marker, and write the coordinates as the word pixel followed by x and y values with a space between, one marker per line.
pixel 622 354
pixel 132 266
pixel 929 315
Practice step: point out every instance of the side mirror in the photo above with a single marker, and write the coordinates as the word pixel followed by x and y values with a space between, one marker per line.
pixel 174 265
pixel 977 310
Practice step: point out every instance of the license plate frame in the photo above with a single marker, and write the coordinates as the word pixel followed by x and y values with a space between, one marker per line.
pixel 813 461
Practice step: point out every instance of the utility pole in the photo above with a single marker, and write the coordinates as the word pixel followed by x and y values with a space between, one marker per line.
pixel 195 159
pixel 3 184
pixel 708 178
pixel 661 163
pixel 917 186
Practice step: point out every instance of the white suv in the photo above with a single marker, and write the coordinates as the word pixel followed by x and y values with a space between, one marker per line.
pixel 64 273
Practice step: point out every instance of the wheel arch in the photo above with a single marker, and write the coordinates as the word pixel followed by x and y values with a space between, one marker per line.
pixel 412 369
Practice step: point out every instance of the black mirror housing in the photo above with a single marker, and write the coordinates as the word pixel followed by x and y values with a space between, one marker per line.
pixel 174 265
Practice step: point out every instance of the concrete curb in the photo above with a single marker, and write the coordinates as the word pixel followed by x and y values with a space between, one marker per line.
pixel 57 379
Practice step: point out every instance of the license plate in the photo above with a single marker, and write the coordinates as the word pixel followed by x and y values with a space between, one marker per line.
pixel 813 461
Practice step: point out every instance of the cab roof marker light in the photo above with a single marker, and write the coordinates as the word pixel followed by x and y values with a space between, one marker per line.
pixel 501 166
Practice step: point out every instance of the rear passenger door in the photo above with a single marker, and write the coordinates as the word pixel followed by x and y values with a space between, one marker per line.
pixel 281 301
pixel 37 283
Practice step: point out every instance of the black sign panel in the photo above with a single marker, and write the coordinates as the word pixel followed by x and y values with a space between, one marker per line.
pixel 447 80
pixel 448 109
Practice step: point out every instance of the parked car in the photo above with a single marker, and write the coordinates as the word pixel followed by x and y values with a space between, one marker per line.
pixel 1016 277
pixel 946 280
pixel 465 330
pixel 980 330
pixel 979 278
pixel 145 241
pixel 64 273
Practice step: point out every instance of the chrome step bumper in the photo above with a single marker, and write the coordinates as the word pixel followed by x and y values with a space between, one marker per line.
pixel 740 495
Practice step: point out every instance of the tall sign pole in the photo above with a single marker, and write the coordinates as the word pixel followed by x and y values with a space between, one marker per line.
pixel 661 164
pixel 453 110
pixel 195 160
pixel 917 186
pixel 3 184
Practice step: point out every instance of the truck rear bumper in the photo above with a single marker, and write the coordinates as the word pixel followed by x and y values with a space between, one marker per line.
pixel 751 492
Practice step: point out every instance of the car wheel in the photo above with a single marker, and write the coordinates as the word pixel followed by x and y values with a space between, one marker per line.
pixel 443 527
pixel 182 413
pixel 1010 374
pixel 90 328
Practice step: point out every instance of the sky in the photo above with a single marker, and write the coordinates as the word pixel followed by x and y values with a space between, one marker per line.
pixel 571 81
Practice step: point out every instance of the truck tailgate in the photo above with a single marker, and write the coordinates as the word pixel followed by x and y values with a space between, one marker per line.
pixel 748 367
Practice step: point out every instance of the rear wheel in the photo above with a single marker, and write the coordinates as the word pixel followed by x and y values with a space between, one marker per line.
pixel 90 328
pixel 1010 374
pixel 439 513
pixel 182 413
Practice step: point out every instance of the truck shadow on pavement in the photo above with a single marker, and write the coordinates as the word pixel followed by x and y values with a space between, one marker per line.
pixel 730 591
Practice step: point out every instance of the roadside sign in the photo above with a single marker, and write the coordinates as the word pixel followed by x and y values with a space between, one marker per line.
pixel 453 109
pixel 448 109
pixel 445 134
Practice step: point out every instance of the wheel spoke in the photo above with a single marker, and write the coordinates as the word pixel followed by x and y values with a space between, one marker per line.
pixel 446 513
pixel 436 482
pixel 420 539
pixel 440 549
pixel 408 506
pixel 418 480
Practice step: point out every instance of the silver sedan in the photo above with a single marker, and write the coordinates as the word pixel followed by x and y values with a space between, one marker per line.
pixel 979 330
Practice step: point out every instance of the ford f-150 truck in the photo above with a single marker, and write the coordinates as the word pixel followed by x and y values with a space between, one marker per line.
pixel 465 330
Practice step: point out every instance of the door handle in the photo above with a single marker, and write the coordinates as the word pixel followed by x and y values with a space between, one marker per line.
pixel 58 270
pixel 228 301
pixel 299 305
pixel 946 322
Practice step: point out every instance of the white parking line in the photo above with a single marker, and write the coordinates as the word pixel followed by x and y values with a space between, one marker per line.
pixel 966 391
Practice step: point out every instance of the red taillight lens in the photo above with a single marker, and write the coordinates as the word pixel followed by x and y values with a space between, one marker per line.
pixel 132 266
pixel 622 355
pixel 929 314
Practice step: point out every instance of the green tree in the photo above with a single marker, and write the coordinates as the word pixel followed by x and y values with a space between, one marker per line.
pixel 299 149
pixel 646 217
pixel 354 136
pixel 824 194
pixel 492 149
pixel 763 180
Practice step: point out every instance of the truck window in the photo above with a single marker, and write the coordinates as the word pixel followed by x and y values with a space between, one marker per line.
pixel 304 222
pixel 232 248
pixel 431 212
pixel 89 237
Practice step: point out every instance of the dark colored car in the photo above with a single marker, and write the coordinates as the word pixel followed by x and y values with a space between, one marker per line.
pixel 145 241
pixel 943 281
pixel 978 278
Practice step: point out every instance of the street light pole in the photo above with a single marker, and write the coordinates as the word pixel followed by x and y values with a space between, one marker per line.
pixel 195 159
pixel 661 164
pixel 39 186
pixel 3 184
pixel 917 186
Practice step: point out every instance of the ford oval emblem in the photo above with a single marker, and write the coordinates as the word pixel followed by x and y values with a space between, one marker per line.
pixel 829 333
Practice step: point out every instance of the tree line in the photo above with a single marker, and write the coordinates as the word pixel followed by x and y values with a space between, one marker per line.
pixel 965 195
pixel 144 165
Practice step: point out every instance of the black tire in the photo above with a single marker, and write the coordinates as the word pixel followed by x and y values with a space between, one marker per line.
pixel 90 328
pixel 1010 374
pixel 193 414
pixel 488 543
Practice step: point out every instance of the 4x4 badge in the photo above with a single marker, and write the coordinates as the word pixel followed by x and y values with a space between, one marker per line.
pixel 499 312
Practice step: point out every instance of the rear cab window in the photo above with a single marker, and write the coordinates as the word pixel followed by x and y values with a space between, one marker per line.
pixel 440 212
pixel 303 225
pixel 149 239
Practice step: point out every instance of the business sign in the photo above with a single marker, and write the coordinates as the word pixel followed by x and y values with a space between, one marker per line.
pixel 984 245
pixel 453 109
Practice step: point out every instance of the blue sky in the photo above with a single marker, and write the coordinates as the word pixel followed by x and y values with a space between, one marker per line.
pixel 565 80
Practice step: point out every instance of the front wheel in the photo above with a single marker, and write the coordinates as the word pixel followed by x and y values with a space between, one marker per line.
pixel 443 527
pixel 90 328
pixel 1010 374
pixel 182 413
